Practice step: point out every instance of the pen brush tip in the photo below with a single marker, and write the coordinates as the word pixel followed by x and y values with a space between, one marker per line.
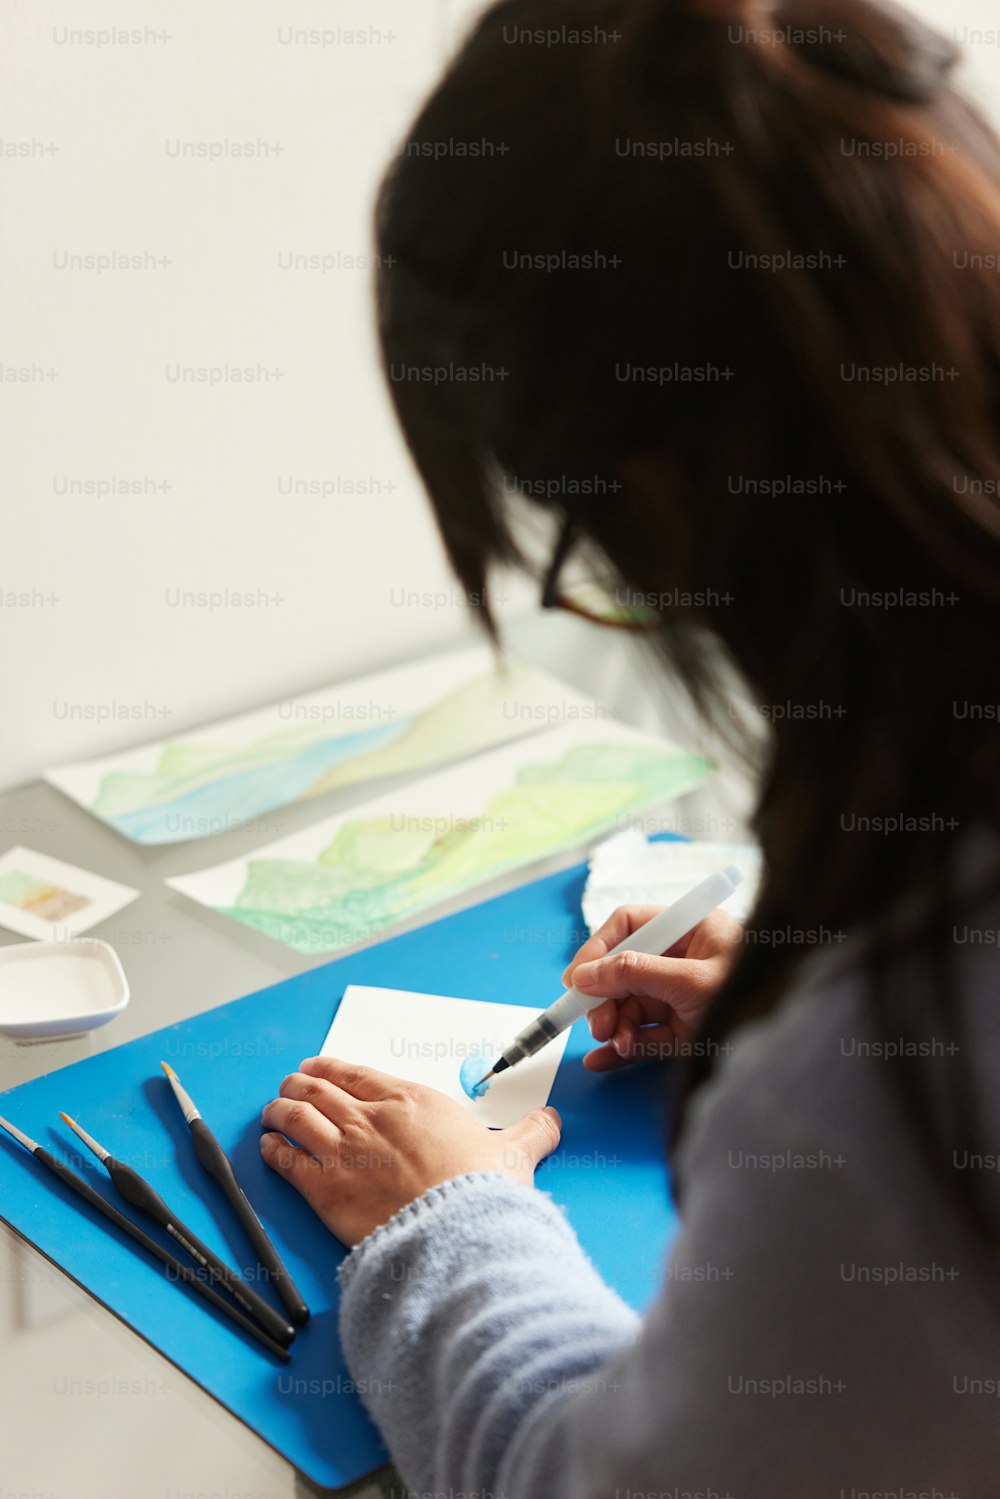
pixel 168 1069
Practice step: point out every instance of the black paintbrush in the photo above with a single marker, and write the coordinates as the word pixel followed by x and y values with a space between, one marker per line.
pixel 83 1189
pixel 136 1190
pixel 215 1161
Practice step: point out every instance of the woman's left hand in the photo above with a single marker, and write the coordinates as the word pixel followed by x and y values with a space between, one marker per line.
pixel 367 1143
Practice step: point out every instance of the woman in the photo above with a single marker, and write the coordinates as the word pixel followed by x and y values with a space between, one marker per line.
pixel 739 264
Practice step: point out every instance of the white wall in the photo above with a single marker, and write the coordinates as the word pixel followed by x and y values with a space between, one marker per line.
pixel 328 566
pixel 99 572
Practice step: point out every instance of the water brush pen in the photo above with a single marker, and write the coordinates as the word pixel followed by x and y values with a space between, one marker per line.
pixel 655 937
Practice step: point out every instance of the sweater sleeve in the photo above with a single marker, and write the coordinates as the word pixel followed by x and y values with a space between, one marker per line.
pixel 816 1306
pixel 461 1317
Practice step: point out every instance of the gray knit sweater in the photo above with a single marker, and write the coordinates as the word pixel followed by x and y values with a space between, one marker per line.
pixel 853 1350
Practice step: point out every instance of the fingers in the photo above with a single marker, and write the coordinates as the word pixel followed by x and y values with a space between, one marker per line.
pixel 631 1017
pixel 295 1165
pixel 303 1123
pixel 537 1134
pixel 634 973
pixel 616 1020
pixel 619 925
pixel 653 1043
pixel 332 1102
pixel 365 1083
pixel 603 1019
pixel 716 933
pixel 605 1059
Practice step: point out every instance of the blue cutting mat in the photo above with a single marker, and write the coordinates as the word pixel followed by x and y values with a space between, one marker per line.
pixel 608 1173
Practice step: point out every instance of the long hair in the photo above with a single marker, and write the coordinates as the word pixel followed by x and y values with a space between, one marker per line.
pixel 720 281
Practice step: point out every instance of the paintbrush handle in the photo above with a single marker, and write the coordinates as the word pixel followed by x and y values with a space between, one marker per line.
pixel 135 1189
pixel 218 1165
pixel 84 1190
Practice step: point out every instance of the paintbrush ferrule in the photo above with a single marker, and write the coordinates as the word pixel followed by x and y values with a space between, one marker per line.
pixel 175 1269
pixel 19 1135
pixel 187 1104
pixel 88 1140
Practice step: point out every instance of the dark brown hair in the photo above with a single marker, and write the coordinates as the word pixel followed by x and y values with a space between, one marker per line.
pixel 793 224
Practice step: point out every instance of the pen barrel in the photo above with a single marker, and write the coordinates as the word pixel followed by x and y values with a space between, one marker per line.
pixel 676 920
pixel 136 1190
pixel 270 1258
pixel 540 1032
pixel 655 937
pixel 211 1154
pixel 215 1161
pixel 174 1267
pixel 250 1300
pixel 83 1189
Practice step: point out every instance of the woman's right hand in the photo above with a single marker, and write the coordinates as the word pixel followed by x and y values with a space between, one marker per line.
pixel 652 1005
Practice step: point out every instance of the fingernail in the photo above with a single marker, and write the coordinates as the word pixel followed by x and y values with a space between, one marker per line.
pixel 307 1064
pixel 585 976
pixel 620 1043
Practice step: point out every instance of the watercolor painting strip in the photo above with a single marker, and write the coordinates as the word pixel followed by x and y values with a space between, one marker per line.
pixel 347 879
pixel 407 719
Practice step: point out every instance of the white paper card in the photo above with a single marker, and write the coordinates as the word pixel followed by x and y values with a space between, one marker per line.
pixel 46 898
pixel 425 1038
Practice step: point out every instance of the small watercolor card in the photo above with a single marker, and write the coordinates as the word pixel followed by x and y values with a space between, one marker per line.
pixel 425 1038
pixel 45 898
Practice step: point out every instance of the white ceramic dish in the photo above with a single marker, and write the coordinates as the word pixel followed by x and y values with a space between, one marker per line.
pixel 53 990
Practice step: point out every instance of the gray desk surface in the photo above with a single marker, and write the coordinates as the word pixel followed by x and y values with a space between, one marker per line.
pixel 119 1407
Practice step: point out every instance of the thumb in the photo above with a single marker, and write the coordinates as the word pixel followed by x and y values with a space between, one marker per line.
pixel 537 1134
